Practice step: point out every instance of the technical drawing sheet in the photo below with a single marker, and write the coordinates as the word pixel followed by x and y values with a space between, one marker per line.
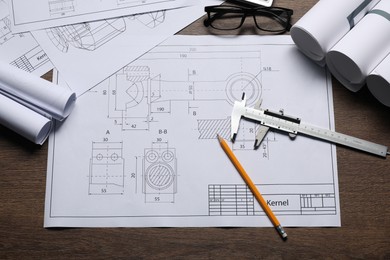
pixel 87 53
pixel 140 148
pixel 51 13
pixel 20 50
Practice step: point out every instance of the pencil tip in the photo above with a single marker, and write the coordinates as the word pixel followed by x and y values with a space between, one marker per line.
pixel 219 137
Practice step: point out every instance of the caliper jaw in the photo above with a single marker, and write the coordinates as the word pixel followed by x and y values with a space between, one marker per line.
pixel 261 132
pixel 238 112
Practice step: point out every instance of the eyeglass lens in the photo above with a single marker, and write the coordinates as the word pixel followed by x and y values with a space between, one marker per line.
pixel 227 21
pixel 267 21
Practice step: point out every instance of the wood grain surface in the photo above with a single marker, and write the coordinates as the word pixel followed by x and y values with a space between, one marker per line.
pixel 364 198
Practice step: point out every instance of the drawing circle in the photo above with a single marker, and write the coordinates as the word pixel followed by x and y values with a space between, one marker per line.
pixel 136 94
pixel 243 83
pixel 152 156
pixel 159 176
pixel 167 156
pixel 114 157
pixel 99 157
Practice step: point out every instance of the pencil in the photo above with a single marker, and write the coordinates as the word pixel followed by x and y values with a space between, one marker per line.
pixel 252 187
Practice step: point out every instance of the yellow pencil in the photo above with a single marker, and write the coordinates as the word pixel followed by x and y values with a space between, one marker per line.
pixel 252 187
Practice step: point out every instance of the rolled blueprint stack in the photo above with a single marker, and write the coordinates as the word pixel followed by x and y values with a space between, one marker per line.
pixel 378 82
pixel 352 38
pixel 28 104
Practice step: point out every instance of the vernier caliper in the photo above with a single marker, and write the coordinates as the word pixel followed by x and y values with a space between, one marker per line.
pixel 293 126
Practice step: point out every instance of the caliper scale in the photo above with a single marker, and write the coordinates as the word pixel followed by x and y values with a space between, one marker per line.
pixel 293 126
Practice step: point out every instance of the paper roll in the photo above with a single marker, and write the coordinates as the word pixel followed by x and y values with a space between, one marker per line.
pixel 362 49
pixel 378 82
pixel 24 121
pixel 33 91
pixel 326 23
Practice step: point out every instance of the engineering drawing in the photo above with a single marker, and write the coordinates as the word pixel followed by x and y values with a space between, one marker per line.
pixel 209 128
pixel 20 50
pixel 151 157
pixel 5 23
pixel 138 96
pixel 132 2
pixel 119 2
pixel 134 96
pixel 233 200
pixel 31 60
pixel 159 173
pixel 106 172
pixel 61 6
pixel 86 36
pixel 151 19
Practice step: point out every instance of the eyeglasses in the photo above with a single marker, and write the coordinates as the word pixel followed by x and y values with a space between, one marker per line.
pixel 270 19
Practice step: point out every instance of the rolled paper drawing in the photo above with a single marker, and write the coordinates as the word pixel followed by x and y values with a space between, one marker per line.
pixel 36 93
pixel 361 50
pixel 378 82
pixel 326 23
pixel 24 121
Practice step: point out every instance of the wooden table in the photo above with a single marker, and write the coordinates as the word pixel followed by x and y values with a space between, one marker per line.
pixel 364 198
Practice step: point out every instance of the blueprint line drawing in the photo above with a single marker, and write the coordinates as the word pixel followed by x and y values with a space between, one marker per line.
pixel 120 2
pixel 136 2
pixel 86 36
pixel 20 49
pixel 151 19
pixel 159 173
pixel 209 128
pixel 92 35
pixel 265 144
pixel 61 6
pixel 31 60
pixel 54 13
pixel 233 200
pixel 106 176
pixel 5 23
pixel 135 96
pixel 136 39
pixel 128 100
pixel 139 96
pixel 150 159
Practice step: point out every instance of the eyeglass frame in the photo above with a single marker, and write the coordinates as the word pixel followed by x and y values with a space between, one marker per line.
pixel 272 12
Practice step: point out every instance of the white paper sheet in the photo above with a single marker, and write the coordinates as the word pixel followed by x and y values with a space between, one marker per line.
pixel 24 121
pixel 106 46
pixel 40 14
pixel 326 23
pixel 361 49
pixel 140 148
pixel 378 82
pixel 20 50
pixel 36 93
